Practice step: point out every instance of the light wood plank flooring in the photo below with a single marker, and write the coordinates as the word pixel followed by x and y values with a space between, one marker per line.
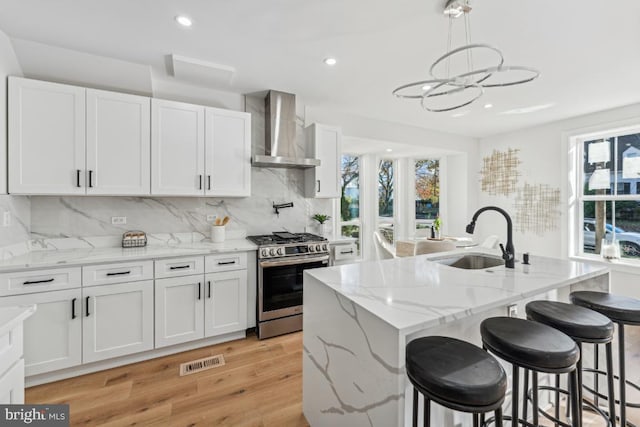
pixel 259 386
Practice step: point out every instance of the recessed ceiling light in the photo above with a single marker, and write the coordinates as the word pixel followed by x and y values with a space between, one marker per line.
pixel 185 21
pixel 330 61
pixel 389 150
pixel 460 114
pixel 426 87
pixel 487 106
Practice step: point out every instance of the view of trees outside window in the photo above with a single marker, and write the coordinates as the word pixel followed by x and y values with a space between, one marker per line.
pixel 427 192
pixel 350 197
pixel 385 199
pixel 610 199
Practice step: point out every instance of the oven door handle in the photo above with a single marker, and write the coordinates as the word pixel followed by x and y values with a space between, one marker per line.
pixel 293 261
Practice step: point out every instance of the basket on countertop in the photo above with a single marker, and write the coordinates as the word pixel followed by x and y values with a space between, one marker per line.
pixel 134 239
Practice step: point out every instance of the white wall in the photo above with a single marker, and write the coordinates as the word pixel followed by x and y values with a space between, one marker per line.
pixel 544 156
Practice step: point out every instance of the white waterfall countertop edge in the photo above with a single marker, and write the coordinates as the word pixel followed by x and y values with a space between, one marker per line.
pixel 415 293
pixel 79 256
pixel 12 316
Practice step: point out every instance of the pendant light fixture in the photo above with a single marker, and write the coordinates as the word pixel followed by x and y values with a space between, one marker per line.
pixel 444 91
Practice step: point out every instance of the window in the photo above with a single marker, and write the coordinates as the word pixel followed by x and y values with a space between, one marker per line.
pixel 350 197
pixel 427 194
pixel 609 199
pixel 385 199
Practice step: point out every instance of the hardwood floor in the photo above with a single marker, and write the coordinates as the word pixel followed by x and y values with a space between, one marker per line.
pixel 259 386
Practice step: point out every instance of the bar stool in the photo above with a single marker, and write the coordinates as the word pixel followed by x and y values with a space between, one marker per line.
pixel 583 326
pixel 457 375
pixel 622 311
pixel 537 348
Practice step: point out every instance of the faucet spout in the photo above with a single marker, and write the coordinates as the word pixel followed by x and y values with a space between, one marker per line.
pixel 508 251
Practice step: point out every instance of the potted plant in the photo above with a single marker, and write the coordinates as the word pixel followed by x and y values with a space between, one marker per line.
pixel 436 227
pixel 322 219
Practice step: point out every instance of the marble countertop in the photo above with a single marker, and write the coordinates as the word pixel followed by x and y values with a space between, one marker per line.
pixel 414 293
pixel 11 316
pixel 79 256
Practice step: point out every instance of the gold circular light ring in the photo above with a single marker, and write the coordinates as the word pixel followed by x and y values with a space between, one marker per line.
pixel 428 95
pixel 462 49
pixel 397 92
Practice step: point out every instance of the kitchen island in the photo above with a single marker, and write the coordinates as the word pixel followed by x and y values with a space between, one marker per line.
pixel 359 317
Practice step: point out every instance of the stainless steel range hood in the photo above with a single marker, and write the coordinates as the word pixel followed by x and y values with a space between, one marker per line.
pixel 280 138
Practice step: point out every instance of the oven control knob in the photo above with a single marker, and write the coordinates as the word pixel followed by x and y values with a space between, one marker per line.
pixel 280 251
pixel 272 252
pixel 324 247
pixel 311 248
pixel 264 252
pixel 317 248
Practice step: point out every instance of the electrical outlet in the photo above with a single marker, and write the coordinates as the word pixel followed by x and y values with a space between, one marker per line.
pixel 118 220
pixel 512 310
pixel 211 218
pixel 6 219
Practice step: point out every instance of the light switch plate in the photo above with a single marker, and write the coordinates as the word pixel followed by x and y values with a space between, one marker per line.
pixel 118 220
pixel 6 219
pixel 512 310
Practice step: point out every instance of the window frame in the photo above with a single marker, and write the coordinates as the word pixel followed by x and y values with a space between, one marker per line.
pixel 413 223
pixel 396 218
pixel 576 206
pixel 338 205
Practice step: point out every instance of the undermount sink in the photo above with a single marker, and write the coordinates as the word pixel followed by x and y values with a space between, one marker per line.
pixel 470 261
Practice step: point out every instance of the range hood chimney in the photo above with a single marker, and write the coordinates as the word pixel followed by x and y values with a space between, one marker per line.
pixel 280 138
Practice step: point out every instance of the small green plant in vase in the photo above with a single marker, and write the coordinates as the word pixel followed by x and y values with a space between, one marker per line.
pixel 437 224
pixel 322 219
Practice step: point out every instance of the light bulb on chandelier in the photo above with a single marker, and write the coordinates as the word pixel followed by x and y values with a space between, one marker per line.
pixel 442 91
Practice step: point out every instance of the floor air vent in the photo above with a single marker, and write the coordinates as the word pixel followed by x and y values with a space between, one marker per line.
pixel 201 364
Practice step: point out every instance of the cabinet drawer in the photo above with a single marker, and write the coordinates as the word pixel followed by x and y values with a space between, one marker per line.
pixel 26 282
pixel 105 274
pixel 184 266
pixel 225 262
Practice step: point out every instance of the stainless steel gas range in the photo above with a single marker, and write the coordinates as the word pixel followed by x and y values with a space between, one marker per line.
pixel 282 257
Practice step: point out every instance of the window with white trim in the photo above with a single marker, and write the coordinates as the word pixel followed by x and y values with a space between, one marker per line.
pixel 386 209
pixel 608 194
pixel 427 194
pixel 350 198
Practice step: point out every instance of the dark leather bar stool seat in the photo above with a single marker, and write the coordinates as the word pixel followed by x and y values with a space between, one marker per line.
pixel 622 311
pixel 455 374
pixel 617 308
pixel 583 325
pixel 535 347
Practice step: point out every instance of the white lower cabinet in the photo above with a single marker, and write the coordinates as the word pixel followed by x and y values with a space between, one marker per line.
pixel 179 310
pixel 53 334
pixel 12 385
pixel 117 320
pixel 225 303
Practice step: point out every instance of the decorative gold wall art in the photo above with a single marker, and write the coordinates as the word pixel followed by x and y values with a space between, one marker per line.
pixel 537 208
pixel 500 172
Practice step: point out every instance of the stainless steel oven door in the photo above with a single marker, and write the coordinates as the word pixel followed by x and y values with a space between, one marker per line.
pixel 280 285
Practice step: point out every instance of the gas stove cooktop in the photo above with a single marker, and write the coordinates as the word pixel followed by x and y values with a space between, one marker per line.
pixel 283 238
pixel 284 244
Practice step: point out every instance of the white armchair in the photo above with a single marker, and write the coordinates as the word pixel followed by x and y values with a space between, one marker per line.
pixel 383 249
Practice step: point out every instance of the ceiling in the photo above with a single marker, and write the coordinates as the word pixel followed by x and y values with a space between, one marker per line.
pixel 587 50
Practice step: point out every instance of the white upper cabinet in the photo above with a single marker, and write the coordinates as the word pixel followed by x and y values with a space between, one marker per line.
pixel 177 148
pixel 227 153
pixel 118 143
pixel 46 137
pixel 325 143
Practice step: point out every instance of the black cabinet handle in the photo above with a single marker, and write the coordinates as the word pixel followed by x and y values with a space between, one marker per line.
pixel 78 177
pixel 209 285
pixel 34 282
pixel 318 186
pixel 179 267
pixel 73 308
pixel 87 305
pixel 209 182
pixel 119 273
pixel 200 178
pixel 226 262
pixel 90 179
pixel 347 252
pixel 199 291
